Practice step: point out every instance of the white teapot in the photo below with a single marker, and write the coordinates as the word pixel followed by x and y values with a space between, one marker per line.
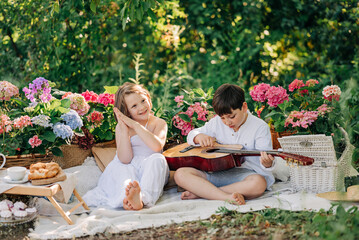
pixel 3 160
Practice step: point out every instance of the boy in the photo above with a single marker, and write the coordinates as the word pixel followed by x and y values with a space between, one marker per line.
pixel 234 124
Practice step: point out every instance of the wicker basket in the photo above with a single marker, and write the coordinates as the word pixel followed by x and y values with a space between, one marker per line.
pixel 73 156
pixel 327 173
pixel 109 144
pixel 27 160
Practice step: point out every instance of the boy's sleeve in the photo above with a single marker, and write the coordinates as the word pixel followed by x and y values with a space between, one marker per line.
pixel 264 142
pixel 206 129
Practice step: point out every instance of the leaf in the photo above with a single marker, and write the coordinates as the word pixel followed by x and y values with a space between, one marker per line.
pixel 152 15
pixel 57 152
pixel 49 136
pixel 200 92
pixel 65 103
pixel 111 89
pixel 93 6
pixel 184 117
pixel 56 7
pixel 109 135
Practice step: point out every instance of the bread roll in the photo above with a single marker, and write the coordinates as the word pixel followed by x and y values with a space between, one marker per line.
pixel 43 170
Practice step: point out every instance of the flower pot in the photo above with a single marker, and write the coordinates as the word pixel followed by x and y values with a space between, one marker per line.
pixel 73 156
pixel 275 135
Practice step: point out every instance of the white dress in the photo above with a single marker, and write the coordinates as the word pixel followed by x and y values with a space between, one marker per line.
pixel 147 167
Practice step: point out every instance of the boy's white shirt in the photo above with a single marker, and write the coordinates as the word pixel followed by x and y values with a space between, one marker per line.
pixel 253 134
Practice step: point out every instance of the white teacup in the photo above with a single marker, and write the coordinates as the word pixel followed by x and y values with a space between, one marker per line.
pixel 16 173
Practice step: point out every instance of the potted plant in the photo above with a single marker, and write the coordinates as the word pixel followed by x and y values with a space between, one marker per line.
pixel 306 108
pixel 34 123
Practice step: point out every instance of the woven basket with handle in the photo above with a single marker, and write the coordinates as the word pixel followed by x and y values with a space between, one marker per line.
pixel 27 160
pixel 73 156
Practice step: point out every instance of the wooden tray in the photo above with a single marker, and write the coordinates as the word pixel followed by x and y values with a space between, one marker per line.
pixel 61 176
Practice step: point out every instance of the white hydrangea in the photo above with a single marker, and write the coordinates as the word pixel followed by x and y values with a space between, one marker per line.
pixel 42 120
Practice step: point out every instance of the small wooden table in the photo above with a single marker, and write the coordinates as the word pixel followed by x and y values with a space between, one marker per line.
pixel 49 192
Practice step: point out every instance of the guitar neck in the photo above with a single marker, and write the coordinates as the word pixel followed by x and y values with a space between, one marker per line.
pixel 290 157
pixel 248 152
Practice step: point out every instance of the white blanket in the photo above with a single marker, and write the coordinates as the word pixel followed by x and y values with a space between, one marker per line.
pixel 169 209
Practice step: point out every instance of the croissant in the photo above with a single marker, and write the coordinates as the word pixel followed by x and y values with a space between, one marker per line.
pixel 43 170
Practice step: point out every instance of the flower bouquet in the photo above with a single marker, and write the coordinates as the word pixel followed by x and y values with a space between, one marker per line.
pixel 35 122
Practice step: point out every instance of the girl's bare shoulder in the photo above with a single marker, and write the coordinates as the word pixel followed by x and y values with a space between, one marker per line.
pixel 158 121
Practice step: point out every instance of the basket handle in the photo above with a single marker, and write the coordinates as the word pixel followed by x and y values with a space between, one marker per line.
pixel 4 160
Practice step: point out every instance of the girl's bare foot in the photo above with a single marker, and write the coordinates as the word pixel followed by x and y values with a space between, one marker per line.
pixel 237 199
pixel 188 195
pixel 126 204
pixel 133 193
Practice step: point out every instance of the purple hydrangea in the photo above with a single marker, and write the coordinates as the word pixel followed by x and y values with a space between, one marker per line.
pixel 39 88
pixel 63 131
pixel 72 119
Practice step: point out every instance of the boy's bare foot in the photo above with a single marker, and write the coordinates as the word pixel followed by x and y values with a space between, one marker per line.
pixel 133 193
pixel 186 195
pixel 237 199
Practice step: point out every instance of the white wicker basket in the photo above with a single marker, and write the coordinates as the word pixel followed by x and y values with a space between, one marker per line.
pixel 327 173
pixel 319 147
pixel 314 179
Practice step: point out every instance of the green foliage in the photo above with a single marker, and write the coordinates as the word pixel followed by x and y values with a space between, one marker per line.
pixel 336 223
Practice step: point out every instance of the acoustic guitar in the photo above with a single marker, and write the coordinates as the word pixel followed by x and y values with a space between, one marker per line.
pixel 220 157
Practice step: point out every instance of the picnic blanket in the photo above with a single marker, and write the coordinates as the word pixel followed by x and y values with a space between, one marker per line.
pixel 169 209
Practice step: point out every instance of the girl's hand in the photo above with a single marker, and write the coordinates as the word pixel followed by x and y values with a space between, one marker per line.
pixel 266 159
pixel 122 126
pixel 126 120
pixel 204 140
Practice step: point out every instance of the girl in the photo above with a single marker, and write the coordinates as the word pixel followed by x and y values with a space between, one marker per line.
pixel 137 174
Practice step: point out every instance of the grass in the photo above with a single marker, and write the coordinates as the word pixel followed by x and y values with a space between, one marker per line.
pixel 336 223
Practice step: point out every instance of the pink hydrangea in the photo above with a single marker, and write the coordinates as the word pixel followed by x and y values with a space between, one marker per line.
pixel 35 141
pixel 90 96
pixel 276 96
pixel 179 100
pixel 7 90
pixel 184 126
pixel 296 84
pixel 330 92
pixel 106 98
pixel 259 91
pixel 301 119
pixel 21 122
pixel 5 124
pixel 311 83
pixel 323 109
pixel 78 103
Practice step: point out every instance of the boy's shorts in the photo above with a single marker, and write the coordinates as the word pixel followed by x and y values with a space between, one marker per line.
pixel 226 177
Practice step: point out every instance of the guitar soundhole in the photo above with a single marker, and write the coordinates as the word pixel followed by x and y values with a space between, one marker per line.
pixel 212 150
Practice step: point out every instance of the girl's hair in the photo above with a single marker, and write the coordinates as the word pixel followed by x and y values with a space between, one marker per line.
pixel 228 97
pixel 127 89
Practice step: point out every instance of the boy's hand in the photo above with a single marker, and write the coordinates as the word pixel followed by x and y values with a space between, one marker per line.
pixel 204 140
pixel 266 159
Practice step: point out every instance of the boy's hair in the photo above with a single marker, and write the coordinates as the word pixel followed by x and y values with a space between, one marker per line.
pixel 228 97
pixel 127 89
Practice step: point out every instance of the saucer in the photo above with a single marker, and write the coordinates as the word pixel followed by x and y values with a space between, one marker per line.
pixel 8 180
